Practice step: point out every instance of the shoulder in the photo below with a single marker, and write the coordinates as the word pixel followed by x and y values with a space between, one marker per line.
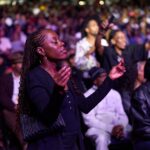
pixel 109 50
pixel 6 77
pixel 83 42
pixel 37 72
pixel 143 91
pixel 39 76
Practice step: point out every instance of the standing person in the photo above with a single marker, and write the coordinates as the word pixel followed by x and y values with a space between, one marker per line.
pixel 130 53
pixel 49 96
pixel 141 113
pixel 85 49
pixel 9 90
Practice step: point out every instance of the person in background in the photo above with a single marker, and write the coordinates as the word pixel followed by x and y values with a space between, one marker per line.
pixel 18 38
pixel 141 112
pixel 9 90
pixel 85 49
pixel 131 54
pixel 108 117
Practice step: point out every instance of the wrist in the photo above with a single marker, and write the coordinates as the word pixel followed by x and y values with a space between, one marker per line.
pixel 111 77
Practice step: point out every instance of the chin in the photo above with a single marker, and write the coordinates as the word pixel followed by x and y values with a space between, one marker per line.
pixel 63 57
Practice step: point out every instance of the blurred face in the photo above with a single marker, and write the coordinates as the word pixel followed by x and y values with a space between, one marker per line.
pixel 92 28
pixel 99 80
pixel 17 68
pixel 54 47
pixel 140 76
pixel 119 40
pixel 18 28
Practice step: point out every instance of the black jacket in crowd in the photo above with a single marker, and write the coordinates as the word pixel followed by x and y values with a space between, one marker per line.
pixel 131 55
pixel 141 112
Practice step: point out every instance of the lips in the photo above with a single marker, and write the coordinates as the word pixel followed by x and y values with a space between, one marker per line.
pixel 63 50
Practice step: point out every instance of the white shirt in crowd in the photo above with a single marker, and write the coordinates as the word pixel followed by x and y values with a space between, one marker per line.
pixel 101 119
pixel 83 62
pixel 16 84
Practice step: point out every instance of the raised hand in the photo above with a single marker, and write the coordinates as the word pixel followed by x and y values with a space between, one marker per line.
pixel 62 76
pixel 117 71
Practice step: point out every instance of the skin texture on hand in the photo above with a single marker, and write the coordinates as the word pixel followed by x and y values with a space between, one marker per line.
pixel 117 71
pixel 62 76
pixel 117 131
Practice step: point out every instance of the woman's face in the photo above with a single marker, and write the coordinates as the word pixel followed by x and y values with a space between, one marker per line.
pixel 120 40
pixel 92 27
pixel 54 47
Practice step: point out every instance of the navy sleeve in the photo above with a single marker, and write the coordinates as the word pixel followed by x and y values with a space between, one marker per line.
pixel 46 102
pixel 87 104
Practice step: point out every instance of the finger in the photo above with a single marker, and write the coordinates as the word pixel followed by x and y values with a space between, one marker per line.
pixel 64 71
pixel 64 81
pixel 64 76
pixel 121 67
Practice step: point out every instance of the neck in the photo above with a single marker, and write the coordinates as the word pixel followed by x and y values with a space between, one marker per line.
pixel 17 74
pixel 91 39
pixel 118 50
pixel 50 67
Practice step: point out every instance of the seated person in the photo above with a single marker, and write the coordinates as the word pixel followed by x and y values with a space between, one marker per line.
pixel 108 117
pixel 141 113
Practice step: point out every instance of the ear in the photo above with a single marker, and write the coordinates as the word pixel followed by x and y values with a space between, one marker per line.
pixel 113 41
pixel 86 30
pixel 40 51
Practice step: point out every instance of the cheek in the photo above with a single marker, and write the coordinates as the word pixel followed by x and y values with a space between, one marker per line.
pixel 95 28
pixel 121 43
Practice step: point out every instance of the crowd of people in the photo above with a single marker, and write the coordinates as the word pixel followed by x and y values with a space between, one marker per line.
pixel 70 79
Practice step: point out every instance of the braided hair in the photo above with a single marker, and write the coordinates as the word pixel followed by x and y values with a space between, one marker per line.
pixel 31 60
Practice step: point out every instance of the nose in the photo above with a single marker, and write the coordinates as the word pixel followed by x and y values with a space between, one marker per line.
pixel 61 43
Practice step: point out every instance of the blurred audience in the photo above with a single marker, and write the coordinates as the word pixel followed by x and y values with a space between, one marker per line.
pixel 141 114
pixel 9 90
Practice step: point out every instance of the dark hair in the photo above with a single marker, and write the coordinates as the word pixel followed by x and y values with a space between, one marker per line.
pixel 30 61
pixel 112 34
pixel 147 70
pixel 86 22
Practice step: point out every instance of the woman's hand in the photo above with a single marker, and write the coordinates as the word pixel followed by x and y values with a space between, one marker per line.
pixel 62 76
pixel 117 71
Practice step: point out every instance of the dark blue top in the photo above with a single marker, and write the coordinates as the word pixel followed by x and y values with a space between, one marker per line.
pixel 46 101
